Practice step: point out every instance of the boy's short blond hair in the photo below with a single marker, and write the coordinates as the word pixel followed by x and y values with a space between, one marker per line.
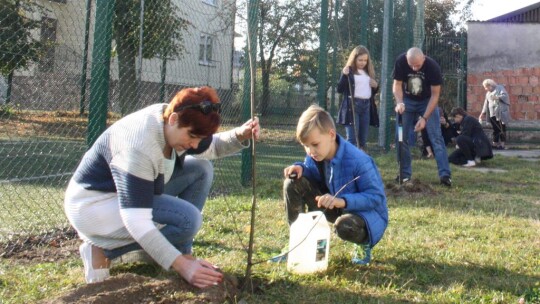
pixel 314 117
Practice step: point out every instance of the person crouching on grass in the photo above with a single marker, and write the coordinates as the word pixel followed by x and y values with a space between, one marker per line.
pixel 472 143
pixel 144 182
pixel 359 211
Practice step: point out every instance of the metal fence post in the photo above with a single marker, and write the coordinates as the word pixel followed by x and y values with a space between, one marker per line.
pixel 386 78
pixel 85 56
pixel 323 55
pixel 463 73
pixel 101 59
pixel 364 23
pixel 247 158
pixel 334 62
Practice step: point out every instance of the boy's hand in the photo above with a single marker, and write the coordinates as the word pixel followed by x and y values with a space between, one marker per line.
pixel 293 170
pixel 328 201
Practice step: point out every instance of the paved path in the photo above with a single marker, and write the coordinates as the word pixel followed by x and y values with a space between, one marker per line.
pixel 529 155
pixel 532 155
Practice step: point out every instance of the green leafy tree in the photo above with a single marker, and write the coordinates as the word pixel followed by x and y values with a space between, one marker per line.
pixel 163 38
pixel 285 28
pixel 18 47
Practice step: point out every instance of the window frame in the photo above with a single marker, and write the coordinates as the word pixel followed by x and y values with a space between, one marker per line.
pixel 211 2
pixel 205 48
pixel 48 36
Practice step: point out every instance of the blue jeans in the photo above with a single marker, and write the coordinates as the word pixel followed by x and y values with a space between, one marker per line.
pixel 361 112
pixel 179 208
pixel 413 110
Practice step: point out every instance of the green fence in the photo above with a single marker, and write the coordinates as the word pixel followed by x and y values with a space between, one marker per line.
pixel 70 68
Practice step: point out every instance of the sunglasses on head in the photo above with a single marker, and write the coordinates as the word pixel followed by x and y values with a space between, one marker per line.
pixel 206 107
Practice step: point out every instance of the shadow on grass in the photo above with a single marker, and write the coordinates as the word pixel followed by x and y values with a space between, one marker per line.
pixel 426 277
pixel 291 290
pixel 517 198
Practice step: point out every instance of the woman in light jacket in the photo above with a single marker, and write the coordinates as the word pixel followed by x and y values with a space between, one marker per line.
pixel 497 108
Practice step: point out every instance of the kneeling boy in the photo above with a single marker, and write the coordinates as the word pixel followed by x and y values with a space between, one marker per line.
pixel 339 179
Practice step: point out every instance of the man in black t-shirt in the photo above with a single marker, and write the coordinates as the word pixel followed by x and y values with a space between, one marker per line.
pixel 416 88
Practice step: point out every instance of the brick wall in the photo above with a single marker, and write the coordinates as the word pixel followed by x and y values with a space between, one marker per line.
pixel 522 84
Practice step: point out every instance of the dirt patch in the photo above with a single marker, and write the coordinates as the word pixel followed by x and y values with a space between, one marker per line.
pixel 120 288
pixel 54 246
pixel 55 124
pixel 132 288
pixel 412 188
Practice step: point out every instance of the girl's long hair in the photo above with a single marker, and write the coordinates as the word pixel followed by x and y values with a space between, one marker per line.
pixel 358 51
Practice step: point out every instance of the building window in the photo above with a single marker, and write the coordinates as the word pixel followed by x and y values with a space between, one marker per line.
pixel 48 39
pixel 211 2
pixel 205 49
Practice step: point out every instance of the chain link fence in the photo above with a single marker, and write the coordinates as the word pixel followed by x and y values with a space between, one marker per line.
pixel 71 68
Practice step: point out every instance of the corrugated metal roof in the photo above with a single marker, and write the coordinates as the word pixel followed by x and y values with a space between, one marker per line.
pixel 528 14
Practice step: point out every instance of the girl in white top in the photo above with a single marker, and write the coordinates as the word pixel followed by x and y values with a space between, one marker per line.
pixel 358 80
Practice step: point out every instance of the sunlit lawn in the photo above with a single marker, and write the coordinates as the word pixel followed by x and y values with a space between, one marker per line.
pixel 477 242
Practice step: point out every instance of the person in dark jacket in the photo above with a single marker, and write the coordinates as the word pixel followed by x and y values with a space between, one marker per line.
pixel 358 83
pixel 472 143
pixel 448 131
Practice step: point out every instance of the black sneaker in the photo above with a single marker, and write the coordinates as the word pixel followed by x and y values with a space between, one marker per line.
pixel 403 180
pixel 447 181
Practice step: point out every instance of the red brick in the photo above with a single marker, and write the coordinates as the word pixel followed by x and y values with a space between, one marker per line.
pixel 533 80
pixel 523 80
pixel 536 71
pixel 513 99
pixel 528 107
pixel 525 71
pixel 527 90
pixel 512 80
pixel 508 73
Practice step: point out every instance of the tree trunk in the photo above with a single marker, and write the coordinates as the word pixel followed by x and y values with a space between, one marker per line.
pixel 265 99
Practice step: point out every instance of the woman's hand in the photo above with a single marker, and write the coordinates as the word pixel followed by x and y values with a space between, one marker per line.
pixel 198 273
pixel 248 129
pixel 294 169
pixel 346 70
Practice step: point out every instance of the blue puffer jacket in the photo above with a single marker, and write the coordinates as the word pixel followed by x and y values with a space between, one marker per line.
pixel 365 197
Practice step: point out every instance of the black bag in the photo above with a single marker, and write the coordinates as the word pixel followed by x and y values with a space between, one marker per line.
pixel 373 113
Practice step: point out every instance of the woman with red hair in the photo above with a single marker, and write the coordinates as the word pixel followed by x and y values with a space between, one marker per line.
pixel 144 182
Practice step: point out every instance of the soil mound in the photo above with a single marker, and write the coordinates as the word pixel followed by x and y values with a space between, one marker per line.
pixel 133 288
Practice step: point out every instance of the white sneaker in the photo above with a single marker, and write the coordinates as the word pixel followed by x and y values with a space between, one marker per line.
pixel 470 163
pixel 91 275
pixel 477 160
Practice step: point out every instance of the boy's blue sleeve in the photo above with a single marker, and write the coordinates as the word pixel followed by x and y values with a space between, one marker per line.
pixel 309 167
pixel 369 189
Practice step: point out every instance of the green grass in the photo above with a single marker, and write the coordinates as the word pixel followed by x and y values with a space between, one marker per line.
pixel 477 242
